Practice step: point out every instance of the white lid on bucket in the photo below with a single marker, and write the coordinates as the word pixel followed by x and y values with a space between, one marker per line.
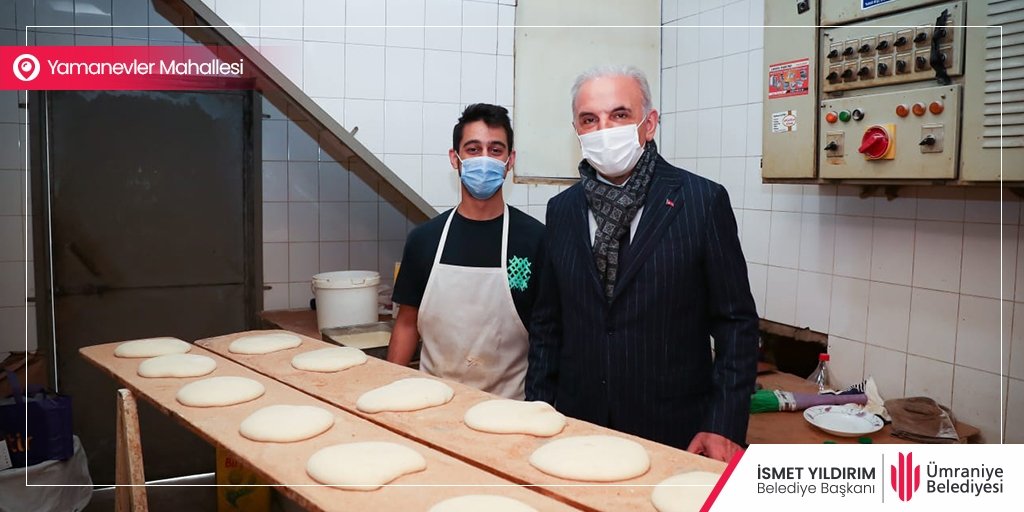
pixel 346 279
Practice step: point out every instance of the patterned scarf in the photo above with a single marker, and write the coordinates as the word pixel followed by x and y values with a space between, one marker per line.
pixel 614 209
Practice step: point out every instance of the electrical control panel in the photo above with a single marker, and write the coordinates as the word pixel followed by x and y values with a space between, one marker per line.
pixel 907 91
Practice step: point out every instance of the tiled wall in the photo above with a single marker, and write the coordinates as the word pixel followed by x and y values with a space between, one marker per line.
pixel 907 289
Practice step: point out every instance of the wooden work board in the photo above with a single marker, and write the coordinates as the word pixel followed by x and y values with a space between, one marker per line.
pixel 283 464
pixel 442 428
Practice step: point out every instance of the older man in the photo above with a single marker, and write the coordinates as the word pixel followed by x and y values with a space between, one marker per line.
pixel 643 268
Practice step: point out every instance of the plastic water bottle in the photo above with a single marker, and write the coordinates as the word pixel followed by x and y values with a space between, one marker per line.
pixel 820 375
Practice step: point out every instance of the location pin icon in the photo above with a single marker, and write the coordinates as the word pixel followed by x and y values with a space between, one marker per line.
pixel 26 67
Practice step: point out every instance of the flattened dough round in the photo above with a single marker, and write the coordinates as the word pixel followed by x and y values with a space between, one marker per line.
pixel 667 497
pixel 177 365
pixel 478 502
pixel 332 359
pixel 286 423
pixel 256 344
pixel 152 347
pixel 515 417
pixel 592 458
pixel 220 391
pixel 363 466
pixel 404 395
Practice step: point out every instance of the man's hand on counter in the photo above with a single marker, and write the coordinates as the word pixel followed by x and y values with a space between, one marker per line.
pixel 713 446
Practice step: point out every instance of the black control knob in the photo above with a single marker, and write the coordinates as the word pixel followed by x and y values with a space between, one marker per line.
pixel 901 66
pixel 921 62
pixel 832 77
pixel 864 71
pixel 864 48
pixel 848 74
pixel 920 37
pixel 831 146
pixel 928 140
pixel 883 68
pixel 857 114
pixel 882 45
pixel 833 53
pixel 848 51
pixel 940 34
pixel 900 41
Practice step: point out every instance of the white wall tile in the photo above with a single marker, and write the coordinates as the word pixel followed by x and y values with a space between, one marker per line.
pixel 733 177
pixel 734 79
pixel 813 300
pixel 846 361
pixel 333 256
pixel 440 181
pixel 669 57
pixel 442 76
pixel 318 18
pixel 688 40
pixel 666 136
pixel 443 13
pixel 438 121
pixel 755 129
pixel 853 246
pixel 756 194
pixel 276 297
pixel 892 251
pixel 709 168
pixel 299 295
pixel 478 78
pixel 303 181
pixel 819 199
pixel 849 202
pixel 275 263
pixel 889 369
pixel 976 401
pixel 756 24
pixel 755 77
pixel 756 235
pixel 392 224
pixel 930 378
pixel 817 242
pixel 364 71
pixel 12 241
pixel 368 116
pixel 787 198
pixel 668 10
pixel 937 250
pixel 709 89
pixel 784 247
pixel 686 134
pixel 334 221
pixel 709 132
pixel 303 261
pixel 1014 428
pixel 275 140
pixel 303 222
pixel 849 309
pixel 286 55
pixel 275 14
pixel 479 34
pixel 710 31
pixel 302 146
pixel 275 222
pixel 933 319
pixel 405 19
pixel 1018 289
pixel 983 205
pixel 323 65
pixel 902 207
pixel 977 333
pixel 758 276
pixel 888 315
pixel 515 194
pixel 364 255
pixel 981 260
pixel 506 29
pixel 333 182
pixel 734 131
pixel 365 13
pixel 780 295
pixel 736 39
pixel 403 74
pixel 12 192
pixel 505 81
pixel 363 222
pixel 687 88
pixel 407 167
pixel 275 181
pixel 12 284
pixel 940 203
pixel 668 93
pixel 241 15
pixel 401 123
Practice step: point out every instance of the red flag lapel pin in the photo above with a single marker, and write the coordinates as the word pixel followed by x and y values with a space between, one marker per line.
pixel 670 203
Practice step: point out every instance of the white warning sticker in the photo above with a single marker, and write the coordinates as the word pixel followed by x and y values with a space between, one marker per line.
pixel 5 457
pixel 784 121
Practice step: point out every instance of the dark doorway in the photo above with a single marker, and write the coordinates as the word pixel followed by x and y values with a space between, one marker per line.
pixel 146 224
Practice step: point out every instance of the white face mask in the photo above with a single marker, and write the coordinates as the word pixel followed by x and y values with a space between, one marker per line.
pixel 612 151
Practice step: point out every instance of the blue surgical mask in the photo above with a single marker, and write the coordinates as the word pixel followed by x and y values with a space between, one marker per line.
pixel 482 175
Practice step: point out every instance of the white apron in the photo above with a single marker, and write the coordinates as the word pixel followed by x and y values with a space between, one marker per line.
pixel 470 328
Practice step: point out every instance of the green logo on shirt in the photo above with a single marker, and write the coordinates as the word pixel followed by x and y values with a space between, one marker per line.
pixel 518 273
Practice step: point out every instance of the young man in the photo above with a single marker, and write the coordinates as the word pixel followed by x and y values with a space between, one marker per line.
pixel 468 278
pixel 643 266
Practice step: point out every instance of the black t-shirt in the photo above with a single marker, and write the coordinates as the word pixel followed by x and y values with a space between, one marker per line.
pixel 474 243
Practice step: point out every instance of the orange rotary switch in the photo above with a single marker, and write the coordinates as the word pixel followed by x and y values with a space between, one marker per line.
pixel 831 117
pixel 936 107
pixel 901 110
pixel 877 143
pixel 918 109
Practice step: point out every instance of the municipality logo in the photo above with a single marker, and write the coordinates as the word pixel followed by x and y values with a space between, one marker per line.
pixel 906 477
pixel 26 67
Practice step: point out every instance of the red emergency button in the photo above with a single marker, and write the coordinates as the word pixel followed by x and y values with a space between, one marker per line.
pixel 875 143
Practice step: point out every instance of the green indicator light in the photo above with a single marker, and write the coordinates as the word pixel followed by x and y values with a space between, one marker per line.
pixel 844 116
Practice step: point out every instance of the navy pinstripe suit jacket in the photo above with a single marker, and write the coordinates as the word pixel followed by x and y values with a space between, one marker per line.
pixel 643 363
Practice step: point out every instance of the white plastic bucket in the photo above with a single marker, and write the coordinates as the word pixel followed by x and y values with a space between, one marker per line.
pixel 345 298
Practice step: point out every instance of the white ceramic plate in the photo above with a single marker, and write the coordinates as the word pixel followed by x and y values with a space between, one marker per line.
pixel 843 420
